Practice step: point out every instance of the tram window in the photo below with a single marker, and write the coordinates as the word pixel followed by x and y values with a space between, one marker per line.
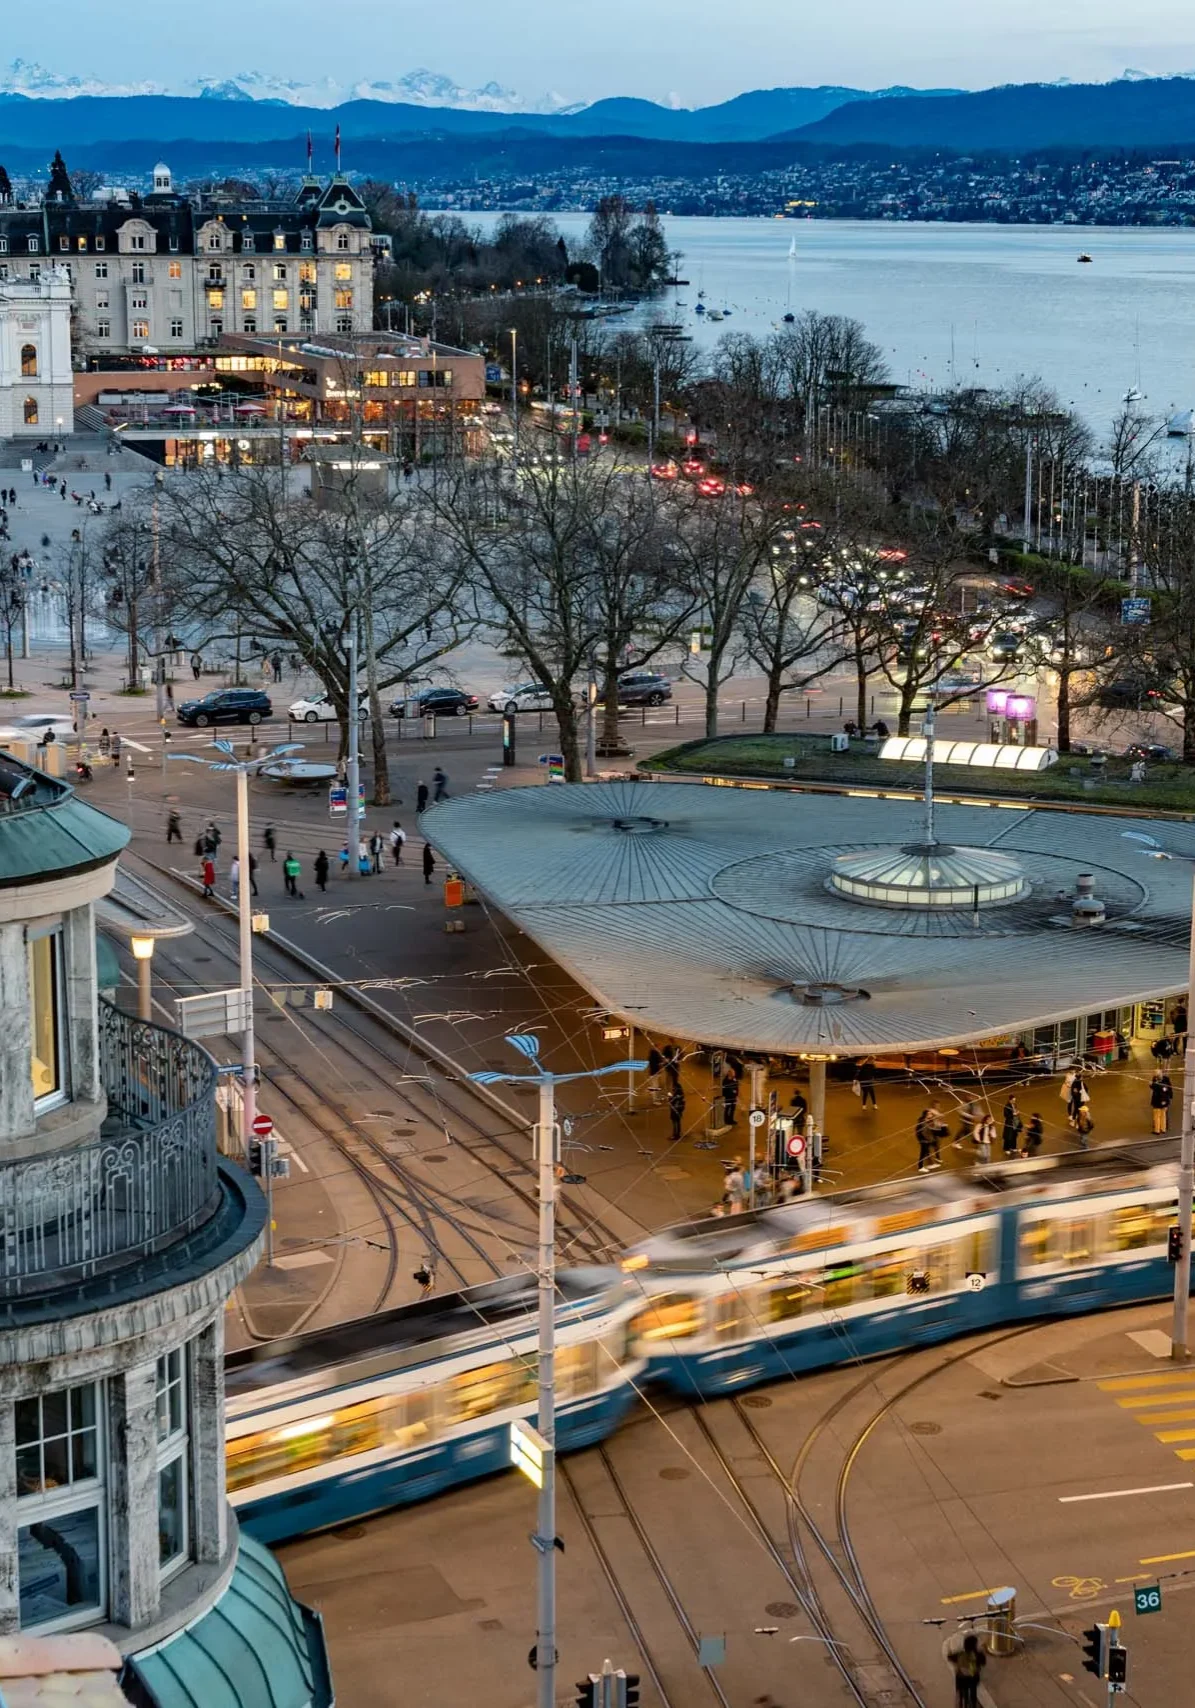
pixel 890 1278
pixel 1133 1226
pixel 791 1300
pixel 943 1265
pixel 411 1418
pixel 673 1316
pixel 843 1288
pixel 1078 1240
pixel 305 1444
pixel 977 1250
pixel 1035 1242
pixel 732 1313
pixel 614 1352
pixel 577 1369
pixel 475 1392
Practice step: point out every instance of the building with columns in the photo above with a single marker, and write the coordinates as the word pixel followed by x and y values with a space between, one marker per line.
pixel 36 384
pixel 123 1231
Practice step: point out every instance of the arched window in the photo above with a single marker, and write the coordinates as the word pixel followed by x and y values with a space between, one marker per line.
pixel 31 412
pixel 29 361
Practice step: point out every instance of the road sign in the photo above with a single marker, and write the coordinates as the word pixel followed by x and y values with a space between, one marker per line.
pixel 529 1452
pixel 263 1126
pixel 212 1015
pixel 555 766
pixel 338 801
pixel 80 696
pixel 795 1144
pixel 1147 1598
pixel 757 1117
pixel 1134 611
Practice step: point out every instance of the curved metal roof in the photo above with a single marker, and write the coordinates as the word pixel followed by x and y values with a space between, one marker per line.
pixel 694 910
pixel 46 831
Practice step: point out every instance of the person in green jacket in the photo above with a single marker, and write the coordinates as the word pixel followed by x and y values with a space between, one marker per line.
pixel 290 871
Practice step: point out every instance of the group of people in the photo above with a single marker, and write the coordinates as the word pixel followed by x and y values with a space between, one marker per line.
pixel 370 854
pixel 977 1127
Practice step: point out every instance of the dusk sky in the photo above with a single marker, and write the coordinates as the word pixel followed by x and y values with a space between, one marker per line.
pixel 693 53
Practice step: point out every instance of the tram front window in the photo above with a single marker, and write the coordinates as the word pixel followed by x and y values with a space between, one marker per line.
pixel 673 1316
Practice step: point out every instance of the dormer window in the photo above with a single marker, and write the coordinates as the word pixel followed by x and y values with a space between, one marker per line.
pixel 215 240
pixel 64 241
pixel 248 242
pixel 3 246
pixel 34 245
pixel 279 240
pixel 137 240
pixel 101 243
pixel 305 240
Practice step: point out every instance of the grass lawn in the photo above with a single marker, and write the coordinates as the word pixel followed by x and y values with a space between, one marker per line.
pixel 1167 788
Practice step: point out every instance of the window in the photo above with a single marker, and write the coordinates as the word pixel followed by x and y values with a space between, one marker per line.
pixel 103 329
pixel 377 377
pixel 342 240
pixel 102 299
pixel 251 325
pixel 58 1464
pixel 139 300
pixel 175 270
pixel 101 269
pixel 344 269
pixel 3 246
pixel 82 245
pixel 176 328
pixel 140 329
pixel 344 323
pixel 344 299
pixel 217 328
pixel 137 241
pixel 305 240
pixel 306 272
pixel 101 243
pixel 29 361
pixel 174 245
pixel 35 274
pixel 3 269
pixel 248 299
pixel 281 299
pixel 670 1316
pixel 215 241
pixel 249 271
pixel 30 413
pixel 280 270
pixel 215 273
pixel 215 300
pixel 405 376
pixel 64 241
pixel 173 1514
pixel 279 323
pixel 279 240
pixel 248 242
pixel 137 275
pixel 34 245
pixel 306 323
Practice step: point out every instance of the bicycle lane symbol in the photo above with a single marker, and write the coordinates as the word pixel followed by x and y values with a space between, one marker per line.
pixel 1081 1589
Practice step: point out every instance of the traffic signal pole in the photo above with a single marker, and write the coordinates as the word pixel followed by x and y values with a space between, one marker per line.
pixel 1179 1346
pixel 545 1540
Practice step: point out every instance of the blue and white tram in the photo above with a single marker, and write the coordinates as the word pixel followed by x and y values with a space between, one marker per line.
pixel 373 1414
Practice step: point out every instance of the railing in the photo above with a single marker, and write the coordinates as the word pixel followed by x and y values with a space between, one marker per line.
pixel 149 1180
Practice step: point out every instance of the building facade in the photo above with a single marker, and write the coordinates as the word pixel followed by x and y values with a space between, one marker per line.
pixel 166 272
pixel 124 1233
pixel 36 385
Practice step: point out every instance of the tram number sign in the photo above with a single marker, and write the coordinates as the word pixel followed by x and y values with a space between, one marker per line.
pixel 757 1117
pixel 263 1126
pixel 977 1281
pixel 795 1144
pixel 1147 1598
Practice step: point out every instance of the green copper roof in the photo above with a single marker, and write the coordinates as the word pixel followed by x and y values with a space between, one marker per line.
pixel 46 831
pixel 256 1648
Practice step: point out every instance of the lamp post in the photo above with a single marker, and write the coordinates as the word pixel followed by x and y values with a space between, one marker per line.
pixel 143 954
pixel 514 396
pixel 547 1157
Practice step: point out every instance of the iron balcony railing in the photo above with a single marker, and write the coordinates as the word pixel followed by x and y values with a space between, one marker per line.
pixel 148 1180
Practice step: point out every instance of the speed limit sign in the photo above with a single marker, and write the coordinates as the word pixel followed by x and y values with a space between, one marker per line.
pixel 795 1144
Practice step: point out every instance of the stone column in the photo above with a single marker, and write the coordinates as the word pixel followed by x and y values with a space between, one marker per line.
pixel 16 1037
pixel 9 1522
pixel 133 1495
pixel 82 1030
pixel 209 1508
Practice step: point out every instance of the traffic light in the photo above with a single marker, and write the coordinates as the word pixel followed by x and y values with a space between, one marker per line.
pixel 253 1156
pixel 1095 1651
pixel 587 1691
pixel 627 1687
pixel 1174 1244
pixel 1118 1665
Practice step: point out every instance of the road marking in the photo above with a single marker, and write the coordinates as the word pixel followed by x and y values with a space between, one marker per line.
pixel 1119 1384
pixel 1161 1559
pixel 302 1259
pixel 127 741
pixel 972 1595
pixel 1168 1435
pixel 1141 1577
pixel 1082 1589
pixel 1184 1453
pixel 1165 1398
pixel 1113 1494
pixel 1152 1417
pixel 1153 1341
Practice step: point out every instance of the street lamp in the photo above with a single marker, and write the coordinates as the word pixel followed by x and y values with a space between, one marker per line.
pixel 244 909
pixel 143 954
pixel 547 1157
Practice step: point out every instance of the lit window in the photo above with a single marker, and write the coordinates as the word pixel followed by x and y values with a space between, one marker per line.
pixel 175 270
pixel 30 414
pixel 344 269
pixel 215 300
pixel 34 245
pixel 307 272
pixel 377 377
pixel 248 299
pixel 103 329
pixel 82 244
pixel 281 299
pixel 176 328
pixel 279 240
pixel 140 329
pixel 101 269
pixel 59 1475
pixel 29 361
pixel 344 299
pixel 406 376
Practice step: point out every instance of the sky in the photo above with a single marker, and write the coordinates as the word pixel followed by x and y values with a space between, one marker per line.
pixel 691 52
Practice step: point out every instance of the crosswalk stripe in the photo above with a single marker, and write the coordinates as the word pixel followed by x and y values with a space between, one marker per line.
pixel 1169 1435
pixel 1120 1384
pixel 1150 1418
pixel 1184 1452
pixel 1184 1396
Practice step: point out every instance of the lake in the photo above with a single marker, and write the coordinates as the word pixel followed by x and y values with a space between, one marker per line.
pixel 979 304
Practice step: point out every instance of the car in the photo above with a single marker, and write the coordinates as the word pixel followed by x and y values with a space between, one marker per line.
pixel 664 471
pixel 37 723
pixel 1154 751
pixel 438 703
pixel 522 697
pixel 1006 647
pixel 227 706
pixel 643 688
pixel 1125 695
pixel 318 710
pixel 1017 589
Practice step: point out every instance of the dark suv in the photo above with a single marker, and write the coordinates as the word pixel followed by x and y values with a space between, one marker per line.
pixel 227 706
pixel 438 703
pixel 643 688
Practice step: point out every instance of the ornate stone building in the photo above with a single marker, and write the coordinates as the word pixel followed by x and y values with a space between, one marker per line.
pixel 36 388
pixel 122 1233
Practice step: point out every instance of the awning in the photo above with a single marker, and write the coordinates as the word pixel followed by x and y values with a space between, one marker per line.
pixel 256 1648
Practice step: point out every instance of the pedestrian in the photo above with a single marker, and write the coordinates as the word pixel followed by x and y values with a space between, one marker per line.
pixel 1079 1109
pixel 676 1111
pixel 290 872
pixel 376 848
pixel 321 869
pixel 968 1663
pixel 420 795
pixel 970 1113
pixel 269 837
pixel 252 873
pixel 1179 1018
pixel 730 1097
pixel 929 1130
pixel 1034 1134
pixel 363 863
pixel 1161 1095
pixel 799 1104
pixel 196 666
pixel 344 857
pixel 234 878
pixel 984 1137
pixel 734 1187
pixel 429 862
pixel 440 785
pixel 208 870
pixel 1010 1133
pixel 1162 1048
pixel 107 481
pixel 865 1078
pixel 105 743
pixel 174 829
pixel 115 748
pixel 277 662
pixel 398 837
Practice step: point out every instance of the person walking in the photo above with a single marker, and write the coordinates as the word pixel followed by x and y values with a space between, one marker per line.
pixel 174 827
pixel 420 795
pixel 924 1145
pixel 212 838
pixel 730 1097
pixel 984 1137
pixel 398 837
pixel 376 848
pixel 1010 1133
pixel 1161 1095
pixel 252 873
pixel 799 1104
pixel 930 1130
pixel 429 862
pixel 1078 1109
pixel 676 1111
pixel 865 1078
pixel 234 878
pixel 1034 1134
pixel 344 856
pixel 196 666
pixel 363 865
pixel 105 743
pixel 970 1114
pixel 321 870
pixel 439 785
pixel 115 748
pixel 290 872
pixel 208 873
pixel 270 838
pixel 968 1664
pixel 734 1188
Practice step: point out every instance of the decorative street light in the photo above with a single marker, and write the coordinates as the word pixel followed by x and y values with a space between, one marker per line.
pixel 547 1157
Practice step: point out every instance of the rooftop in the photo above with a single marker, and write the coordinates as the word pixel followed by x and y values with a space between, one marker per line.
pixel 46 830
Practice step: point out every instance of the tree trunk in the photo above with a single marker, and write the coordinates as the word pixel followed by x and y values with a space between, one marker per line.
pixel 1189 732
pixel 131 608
pixel 610 736
pixel 904 717
pixel 8 652
pixel 570 746
pixel 860 690
pixel 381 765
pixel 711 702
pixel 771 705
pixel 1064 710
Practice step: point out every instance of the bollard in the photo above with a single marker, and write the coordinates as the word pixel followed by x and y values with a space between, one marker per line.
pixel 808 708
pixel 676 709
pixel 840 705
pixel 1001 1613
pixel 743 711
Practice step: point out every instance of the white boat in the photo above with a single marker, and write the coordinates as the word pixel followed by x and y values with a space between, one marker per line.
pixel 713 314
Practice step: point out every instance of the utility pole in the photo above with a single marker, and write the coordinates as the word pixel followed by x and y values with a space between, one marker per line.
pixel 545 1540
pixel 159 643
pixel 514 397
pixel 354 765
pixel 1179 1346
pixel 1027 523
pixel 756 1118
pixel 245 921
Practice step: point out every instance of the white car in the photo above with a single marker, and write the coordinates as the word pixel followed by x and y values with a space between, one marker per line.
pixel 521 697
pixel 30 726
pixel 321 711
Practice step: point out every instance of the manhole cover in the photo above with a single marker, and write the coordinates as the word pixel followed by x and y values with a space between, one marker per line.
pixel 989 1394
pixel 277 1017
pixel 782 1609
pixel 757 1402
pixel 673 1474
pixel 925 1429
pixel 404 1130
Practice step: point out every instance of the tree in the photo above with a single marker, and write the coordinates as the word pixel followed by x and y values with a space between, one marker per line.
pixel 13 594
pixel 86 182
pixel 609 239
pixel 721 544
pixel 59 189
pixel 5 188
pixel 1161 653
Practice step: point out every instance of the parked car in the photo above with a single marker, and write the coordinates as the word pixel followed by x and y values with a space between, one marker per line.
pixel 438 703
pixel 318 710
pixel 227 706
pixel 522 697
pixel 643 688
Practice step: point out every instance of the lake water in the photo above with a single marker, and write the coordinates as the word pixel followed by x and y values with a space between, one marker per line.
pixel 980 304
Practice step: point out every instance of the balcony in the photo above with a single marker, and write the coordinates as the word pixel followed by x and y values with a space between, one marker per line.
pixel 148 1180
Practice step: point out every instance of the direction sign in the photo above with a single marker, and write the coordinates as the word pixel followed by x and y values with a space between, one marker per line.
pixel 80 696
pixel 1147 1598
pixel 1135 612
pixel 263 1126
pixel 795 1144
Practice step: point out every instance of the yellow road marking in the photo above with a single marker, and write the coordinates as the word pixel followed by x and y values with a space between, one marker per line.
pixel 1152 1417
pixel 1161 1559
pixel 1156 1399
pixel 1169 1435
pixel 1141 1577
pixel 972 1595
pixel 1184 1452
pixel 1122 1383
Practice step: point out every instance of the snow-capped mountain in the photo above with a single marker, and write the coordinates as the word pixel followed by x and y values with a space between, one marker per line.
pixel 421 88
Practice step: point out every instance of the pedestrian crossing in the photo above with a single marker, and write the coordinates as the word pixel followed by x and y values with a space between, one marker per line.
pixel 1163 1403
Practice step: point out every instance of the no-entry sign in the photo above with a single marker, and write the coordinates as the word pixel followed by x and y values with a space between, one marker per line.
pixel 263 1126
pixel 795 1144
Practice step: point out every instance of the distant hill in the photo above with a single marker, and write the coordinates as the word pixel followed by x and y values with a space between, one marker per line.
pixel 1130 113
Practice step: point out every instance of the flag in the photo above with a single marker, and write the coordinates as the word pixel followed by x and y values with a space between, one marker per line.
pixel 338 148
